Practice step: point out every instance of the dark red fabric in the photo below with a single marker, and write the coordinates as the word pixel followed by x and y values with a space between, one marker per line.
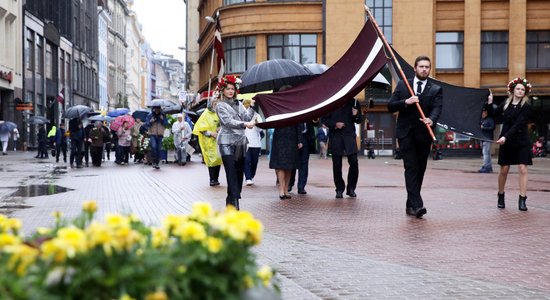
pixel 314 92
pixel 218 46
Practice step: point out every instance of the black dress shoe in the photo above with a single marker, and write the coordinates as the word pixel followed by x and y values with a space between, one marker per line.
pixel 410 211
pixel 419 212
pixel 352 194
pixel 302 192
pixel 339 195
pixel 288 197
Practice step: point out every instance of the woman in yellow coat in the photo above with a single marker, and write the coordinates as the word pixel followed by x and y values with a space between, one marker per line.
pixel 206 129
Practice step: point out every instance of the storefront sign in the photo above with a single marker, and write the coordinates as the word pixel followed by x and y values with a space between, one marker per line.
pixel 6 76
pixel 24 106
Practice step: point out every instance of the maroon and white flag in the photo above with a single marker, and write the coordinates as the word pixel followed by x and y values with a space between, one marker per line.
pixel 330 90
pixel 218 47
pixel 61 96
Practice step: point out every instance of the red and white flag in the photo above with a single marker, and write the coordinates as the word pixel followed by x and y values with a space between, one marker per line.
pixel 218 46
pixel 61 96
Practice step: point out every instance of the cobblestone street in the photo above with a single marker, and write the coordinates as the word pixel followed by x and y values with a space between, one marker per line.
pixel 324 248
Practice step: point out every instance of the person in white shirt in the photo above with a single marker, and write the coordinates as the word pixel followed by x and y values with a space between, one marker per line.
pixel 254 138
pixel 182 136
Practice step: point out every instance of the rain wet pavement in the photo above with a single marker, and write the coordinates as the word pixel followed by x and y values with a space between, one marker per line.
pixel 35 190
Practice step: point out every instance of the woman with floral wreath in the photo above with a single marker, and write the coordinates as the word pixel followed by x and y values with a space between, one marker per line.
pixel 234 118
pixel 513 139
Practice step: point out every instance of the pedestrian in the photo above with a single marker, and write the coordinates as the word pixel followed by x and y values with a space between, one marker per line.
pixel 106 142
pixel 97 137
pixel 138 157
pixel 42 142
pixel 322 138
pixel 254 137
pixel 77 139
pixel 61 143
pixel 343 142
pixel 15 137
pixel 87 142
pixel 413 136
pixel 157 122
pixel 124 141
pixel 307 133
pixel 182 135
pixel 206 129
pixel 51 139
pixel 514 139
pixel 4 138
pixel 284 157
pixel 487 128
pixel 234 118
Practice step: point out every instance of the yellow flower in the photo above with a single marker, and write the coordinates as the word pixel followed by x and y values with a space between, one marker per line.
pixel 117 221
pixel 126 297
pixel 202 211
pixel 265 273
pixel 255 229
pixel 69 242
pixel 43 230
pixel 57 214
pixel 99 235
pixel 248 282
pixel 89 206
pixel 21 257
pixel 191 230
pixel 172 222
pixel 158 295
pixel 214 244
pixel 182 269
pixel 7 239
pixel 159 237
pixel 7 224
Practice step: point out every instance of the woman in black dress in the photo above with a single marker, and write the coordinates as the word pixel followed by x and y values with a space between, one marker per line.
pixel 284 156
pixel 514 139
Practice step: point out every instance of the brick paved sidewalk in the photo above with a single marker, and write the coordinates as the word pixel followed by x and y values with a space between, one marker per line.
pixel 338 249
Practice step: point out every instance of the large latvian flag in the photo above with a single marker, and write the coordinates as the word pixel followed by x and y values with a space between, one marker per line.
pixel 218 47
pixel 330 90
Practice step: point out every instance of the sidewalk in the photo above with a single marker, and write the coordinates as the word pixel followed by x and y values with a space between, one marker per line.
pixel 325 248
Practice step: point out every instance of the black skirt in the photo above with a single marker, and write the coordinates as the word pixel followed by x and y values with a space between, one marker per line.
pixel 514 155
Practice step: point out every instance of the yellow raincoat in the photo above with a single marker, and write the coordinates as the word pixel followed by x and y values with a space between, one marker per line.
pixel 208 121
pixel 52 132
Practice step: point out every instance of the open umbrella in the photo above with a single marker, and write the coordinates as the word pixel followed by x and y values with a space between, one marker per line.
pixel 117 123
pixel 77 112
pixel 172 109
pixel 273 74
pixel 7 126
pixel 316 69
pixel 100 118
pixel 38 120
pixel 118 112
pixel 161 103
pixel 141 114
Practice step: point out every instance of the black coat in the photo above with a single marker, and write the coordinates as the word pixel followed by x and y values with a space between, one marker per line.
pixel 343 141
pixel 431 102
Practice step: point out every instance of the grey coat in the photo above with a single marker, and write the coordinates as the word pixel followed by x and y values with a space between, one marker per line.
pixel 232 116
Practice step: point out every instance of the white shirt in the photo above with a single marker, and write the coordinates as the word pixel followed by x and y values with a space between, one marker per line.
pixel 253 134
pixel 415 85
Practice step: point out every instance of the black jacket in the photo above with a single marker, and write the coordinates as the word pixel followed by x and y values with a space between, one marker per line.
pixel 431 102
pixel 343 141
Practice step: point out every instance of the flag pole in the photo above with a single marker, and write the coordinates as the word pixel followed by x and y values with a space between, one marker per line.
pixel 403 77
pixel 213 21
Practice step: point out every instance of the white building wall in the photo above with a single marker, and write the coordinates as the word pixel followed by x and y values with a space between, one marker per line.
pixel 103 32
pixel 11 34
pixel 134 39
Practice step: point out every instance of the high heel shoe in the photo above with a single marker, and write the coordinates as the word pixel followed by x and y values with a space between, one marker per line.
pixel 288 197
pixel 282 197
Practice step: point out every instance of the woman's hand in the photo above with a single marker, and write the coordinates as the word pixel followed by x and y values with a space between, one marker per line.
pixel 501 141
pixel 490 98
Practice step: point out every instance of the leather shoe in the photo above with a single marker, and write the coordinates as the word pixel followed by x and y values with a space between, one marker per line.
pixel 410 211
pixel 419 212
pixel 352 194
pixel 302 192
pixel 339 195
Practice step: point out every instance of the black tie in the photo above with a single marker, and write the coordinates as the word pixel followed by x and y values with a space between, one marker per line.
pixel 419 88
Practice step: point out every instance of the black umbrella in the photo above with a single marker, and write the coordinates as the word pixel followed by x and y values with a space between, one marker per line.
pixel 272 75
pixel 100 118
pixel 172 109
pixel 141 114
pixel 38 120
pixel 316 69
pixel 77 112
pixel 161 103
pixel 7 126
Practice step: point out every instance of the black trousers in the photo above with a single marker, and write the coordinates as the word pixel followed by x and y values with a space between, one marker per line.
pixel 87 152
pixel 76 152
pixel 415 151
pixel 353 172
pixel 303 170
pixel 59 148
pixel 234 173
pixel 96 154
pixel 214 173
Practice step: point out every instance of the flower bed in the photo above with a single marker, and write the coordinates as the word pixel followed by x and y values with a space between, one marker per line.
pixel 204 255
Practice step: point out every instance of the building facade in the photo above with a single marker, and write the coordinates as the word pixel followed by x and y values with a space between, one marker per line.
pixel 169 77
pixel 103 65
pixel 146 74
pixel 11 69
pixel 474 43
pixel 116 50
pixel 134 39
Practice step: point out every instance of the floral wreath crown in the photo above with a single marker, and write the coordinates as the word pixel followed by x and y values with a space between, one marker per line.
pixel 229 79
pixel 512 85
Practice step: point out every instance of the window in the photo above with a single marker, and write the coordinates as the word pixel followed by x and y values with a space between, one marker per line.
pixel 229 2
pixel 494 50
pixel 39 55
pixel 382 12
pixel 301 48
pixel 49 60
pixel 538 50
pixel 240 53
pixel 449 50
pixel 29 50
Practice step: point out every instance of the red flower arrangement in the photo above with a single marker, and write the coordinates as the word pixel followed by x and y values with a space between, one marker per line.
pixel 232 79
pixel 512 85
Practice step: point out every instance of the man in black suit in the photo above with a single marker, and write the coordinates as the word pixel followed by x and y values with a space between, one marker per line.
pixel 342 142
pixel 412 134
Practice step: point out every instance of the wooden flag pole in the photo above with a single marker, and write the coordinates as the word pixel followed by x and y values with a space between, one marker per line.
pixel 403 77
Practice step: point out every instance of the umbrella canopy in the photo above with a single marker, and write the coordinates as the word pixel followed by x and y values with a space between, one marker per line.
pixel 77 112
pixel 117 123
pixel 273 74
pixel 38 120
pixel 140 114
pixel 172 109
pixel 316 69
pixel 100 118
pixel 7 126
pixel 161 103
pixel 118 112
